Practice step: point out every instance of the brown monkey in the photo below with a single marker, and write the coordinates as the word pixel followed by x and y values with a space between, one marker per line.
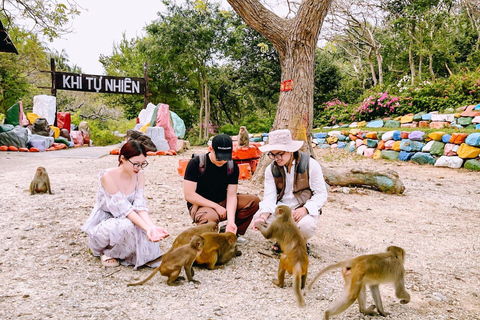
pixel 185 236
pixel 243 138
pixel 371 270
pixel 218 249
pixel 294 257
pixel 40 182
pixel 173 262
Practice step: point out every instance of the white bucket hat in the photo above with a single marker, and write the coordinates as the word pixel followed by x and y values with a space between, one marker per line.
pixel 281 140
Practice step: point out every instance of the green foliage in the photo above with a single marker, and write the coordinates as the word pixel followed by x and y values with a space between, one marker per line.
pixel 253 122
pixel 102 133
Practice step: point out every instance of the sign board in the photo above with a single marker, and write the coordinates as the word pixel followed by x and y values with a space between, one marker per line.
pixel 286 85
pixel 99 84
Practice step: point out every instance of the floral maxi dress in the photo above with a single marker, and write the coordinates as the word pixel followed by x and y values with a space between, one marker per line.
pixel 111 233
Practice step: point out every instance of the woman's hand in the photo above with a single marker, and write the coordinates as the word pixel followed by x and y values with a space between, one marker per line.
pixel 258 220
pixel 231 227
pixel 156 234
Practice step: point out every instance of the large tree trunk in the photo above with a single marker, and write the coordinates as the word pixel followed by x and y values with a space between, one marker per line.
pixel 295 41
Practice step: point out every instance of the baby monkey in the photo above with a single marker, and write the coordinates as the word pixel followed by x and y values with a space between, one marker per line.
pixel 371 270
pixel 40 182
pixel 243 138
pixel 173 262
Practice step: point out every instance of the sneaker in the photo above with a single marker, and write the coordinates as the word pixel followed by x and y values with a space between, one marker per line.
pixel 241 241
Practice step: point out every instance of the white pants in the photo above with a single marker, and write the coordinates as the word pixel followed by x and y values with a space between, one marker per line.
pixel 307 225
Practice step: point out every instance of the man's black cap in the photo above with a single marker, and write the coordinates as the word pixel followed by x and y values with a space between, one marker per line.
pixel 223 146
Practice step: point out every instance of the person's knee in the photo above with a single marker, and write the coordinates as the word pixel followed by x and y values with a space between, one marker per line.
pixel 307 227
pixel 205 215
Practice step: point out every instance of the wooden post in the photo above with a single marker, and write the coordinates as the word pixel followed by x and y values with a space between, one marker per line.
pixel 54 90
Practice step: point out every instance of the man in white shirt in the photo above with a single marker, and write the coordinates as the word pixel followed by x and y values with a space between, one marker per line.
pixel 293 179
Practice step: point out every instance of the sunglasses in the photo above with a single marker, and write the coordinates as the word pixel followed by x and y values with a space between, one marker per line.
pixel 141 165
pixel 275 156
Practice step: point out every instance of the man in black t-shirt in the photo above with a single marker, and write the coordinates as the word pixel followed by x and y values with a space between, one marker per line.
pixel 210 188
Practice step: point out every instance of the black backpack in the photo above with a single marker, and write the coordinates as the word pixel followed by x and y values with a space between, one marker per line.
pixel 203 163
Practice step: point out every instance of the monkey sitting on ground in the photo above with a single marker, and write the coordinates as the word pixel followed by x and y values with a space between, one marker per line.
pixel 40 182
pixel 243 138
pixel 185 236
pixel 219 248
pixel 294 257
pixel 371 270
pixel 174 260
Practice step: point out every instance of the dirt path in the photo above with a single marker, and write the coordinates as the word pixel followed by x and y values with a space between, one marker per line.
pixel 46 271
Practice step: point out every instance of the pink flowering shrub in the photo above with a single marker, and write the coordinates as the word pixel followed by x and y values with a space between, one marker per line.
pixel 376 106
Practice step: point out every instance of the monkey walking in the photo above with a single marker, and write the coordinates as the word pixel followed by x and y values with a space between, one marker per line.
pixel 173 261
pixel 294 257
pixel 243 138
pixel 371 270
pixel 40 182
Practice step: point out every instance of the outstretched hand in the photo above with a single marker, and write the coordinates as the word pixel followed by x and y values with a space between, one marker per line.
pixel 231 227
pixel 156 234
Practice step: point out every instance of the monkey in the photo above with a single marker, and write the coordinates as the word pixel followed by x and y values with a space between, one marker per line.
pixel 40 182
pixel 185 236
pixel 371 270
pixel 294 258
pixel 174 260
pixel 219 248
pixel 243 138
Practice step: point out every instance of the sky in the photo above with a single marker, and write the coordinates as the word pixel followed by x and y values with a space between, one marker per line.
pixel 101 24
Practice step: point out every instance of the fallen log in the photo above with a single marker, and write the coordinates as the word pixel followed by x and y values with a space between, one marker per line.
pixel 384 181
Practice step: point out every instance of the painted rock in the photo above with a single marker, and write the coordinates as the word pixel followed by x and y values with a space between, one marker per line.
pixel 377 154
pixel 418 116
pixel 358 143
pixel 468 152
pixel 332 140
pixel 389 144
pixel 473 140
pixel 423 124
pixel 369 152
pixel 464 121
pixel 375 124
pixel 458 138
pixel 423 158
pixel 361 149
pixel 427 117
pixel 334 146
pixel 397 135
pixel 470 112
pixel 446 138
pixel 443 117
pixel 437 148
pixel 324 146
pixel 396 145
pixel 371 135
pixel 362 124
pixel 449 162
pixel 342 145
pixel 392 124
pixel 381 145
pixel 372 143
pixel 320 141
pixel 448 150
pixel 404 134
pixel 428 146
pixel 416 135
pixel 405 156
pixel 439 125
pixel 389 155
pixel 477 127
pixel 476 120
pixel 413 124
pixel 321 135
pixel 334 133
pixel 411 146
pixel 437 135
pixel 353 125
pixel 472 165
pixel 387 135
pixel 407 118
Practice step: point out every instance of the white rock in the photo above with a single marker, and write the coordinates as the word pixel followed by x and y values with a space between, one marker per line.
pixel 453 162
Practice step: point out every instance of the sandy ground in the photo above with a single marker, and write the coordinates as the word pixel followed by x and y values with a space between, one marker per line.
pixel 47 272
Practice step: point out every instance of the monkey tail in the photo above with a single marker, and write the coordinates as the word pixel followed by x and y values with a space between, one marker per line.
pixel 149 277
pixel 327 269
pixel 297 283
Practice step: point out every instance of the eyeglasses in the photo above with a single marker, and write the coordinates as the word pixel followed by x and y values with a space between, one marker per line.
pixel 142 165
pixel 275 156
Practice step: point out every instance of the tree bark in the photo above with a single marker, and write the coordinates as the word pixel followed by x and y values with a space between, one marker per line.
pixel 295 41
pixel 386 181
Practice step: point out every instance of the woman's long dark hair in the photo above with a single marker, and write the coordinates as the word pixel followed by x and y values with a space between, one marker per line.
pixel 131 149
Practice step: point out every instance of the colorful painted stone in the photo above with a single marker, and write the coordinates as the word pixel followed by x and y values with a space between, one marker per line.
pixel 458 138
pixel 418 116
pixel 428 146
pixel 407 118
pixel 427 117
pixel 381 145
pixel 448 150
pixel 397 135
pixel 321 135
pixel 423 158
pixel 405 156
pixel 404 134
pixel 423 124
pixel 437 148
pixel 358 143
pixel 416 135
pixel 473 140
pixel 377 154
pixel 361 149
pixel 464 121
pixel 389 144
pixel 342 145
pixel 449 162
pixel 437 135
pixel 446 138
pixel 362 124
pixel 387 135
pixel 468 152
pixel 334 133
pixel 476 120
pixel 389 155
pixel 439 125
pixel 372 143
pixel 369 152
pixel 473 164
pixel 392 124
pixel 371 135
pixel 396 145
pixel 375 124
